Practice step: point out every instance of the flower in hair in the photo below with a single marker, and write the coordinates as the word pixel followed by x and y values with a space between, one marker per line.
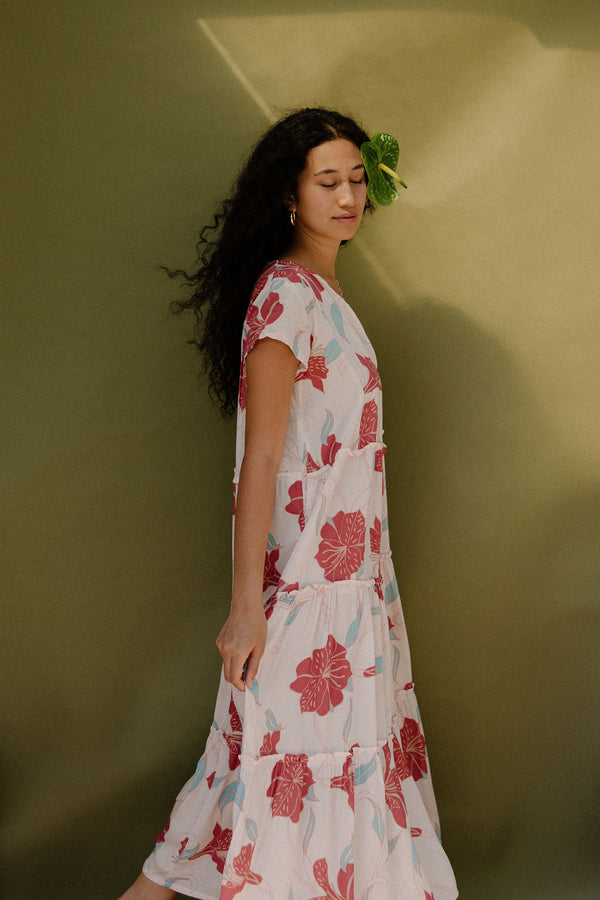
pixel 380 158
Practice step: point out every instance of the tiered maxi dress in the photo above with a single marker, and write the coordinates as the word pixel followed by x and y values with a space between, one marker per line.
pixel 315 784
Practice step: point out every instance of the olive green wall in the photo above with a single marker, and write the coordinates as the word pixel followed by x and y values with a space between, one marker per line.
pixel 124 123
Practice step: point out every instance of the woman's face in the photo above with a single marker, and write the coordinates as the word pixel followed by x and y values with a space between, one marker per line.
pixel 330 194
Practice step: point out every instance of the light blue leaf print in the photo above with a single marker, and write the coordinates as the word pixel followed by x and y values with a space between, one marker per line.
pixel 348 723
pixel 310 794
pixel 377 821
pixel 326 429
pixel 271 543
pixel 235 793
pixel 391 592
pixel 416 860
pixel 378 667
pixel 251 829
pixel 292 615
pixel 385 524
pixel 276 283
pixel 349 686
pixel 332 351
pixel 347 856
pixel 254 689
pixel 271 721
pixel 217 781
pixel 337 318
pixel 396 662
pixel 375 610
pixel 363 772
pixel 353 630
pixel 309 831
pixel 392 843
pixel 199 773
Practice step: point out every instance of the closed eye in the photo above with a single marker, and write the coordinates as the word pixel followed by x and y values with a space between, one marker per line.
pixel 335 184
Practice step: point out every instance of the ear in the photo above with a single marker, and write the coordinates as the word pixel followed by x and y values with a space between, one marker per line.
pixel 290 202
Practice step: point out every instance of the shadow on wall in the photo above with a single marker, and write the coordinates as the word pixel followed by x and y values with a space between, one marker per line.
pixel 555 24
pixel 495 541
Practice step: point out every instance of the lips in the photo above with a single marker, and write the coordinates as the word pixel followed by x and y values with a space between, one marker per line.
pixel 344 218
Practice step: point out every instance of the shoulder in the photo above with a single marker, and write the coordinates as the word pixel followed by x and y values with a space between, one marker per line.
pixel 288 279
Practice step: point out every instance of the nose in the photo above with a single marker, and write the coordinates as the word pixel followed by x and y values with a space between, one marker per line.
pixel 345 195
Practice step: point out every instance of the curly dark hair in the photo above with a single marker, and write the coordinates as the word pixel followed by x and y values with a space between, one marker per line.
pixel 249 230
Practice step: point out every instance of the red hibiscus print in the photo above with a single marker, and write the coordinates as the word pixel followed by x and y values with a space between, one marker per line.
pixel 417 832
pixel 264 277
pixel 379 586
pixel 322 678
pixel 374 382
pixel 243 386
pixel 345 882
pixel 393 789
pixel 241 866
pixel 316 372
pixel 376 536
pixel 271 573
pixel 270 310
pixel 162 836
pixel 296 504
pixel 368 425
pixel 413 744
pixel 287 588
pixel 217 847
pixel 345 781
pixel 270 605
pixel 400 761
pixel 379 460
pixel 210 779
pixel 429 896
pixel 329 450
pixel 184 844
pixel 269 744
pixel 291 780
pixel 342 548
pixel 234 740
pixel 311 465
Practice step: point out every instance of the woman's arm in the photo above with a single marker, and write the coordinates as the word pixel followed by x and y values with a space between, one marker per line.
pixel 271 367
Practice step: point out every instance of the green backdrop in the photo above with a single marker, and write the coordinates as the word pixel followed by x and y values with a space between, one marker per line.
pixel 124 123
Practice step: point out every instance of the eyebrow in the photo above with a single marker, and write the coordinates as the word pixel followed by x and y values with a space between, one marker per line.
pixel 335 171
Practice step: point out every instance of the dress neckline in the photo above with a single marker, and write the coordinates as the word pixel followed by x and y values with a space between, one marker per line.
pixel 290 262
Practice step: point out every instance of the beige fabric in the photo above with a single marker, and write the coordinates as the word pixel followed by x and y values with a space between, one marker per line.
pixel 479 291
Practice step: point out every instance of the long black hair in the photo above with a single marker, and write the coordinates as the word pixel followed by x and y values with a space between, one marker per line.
pixel 250 229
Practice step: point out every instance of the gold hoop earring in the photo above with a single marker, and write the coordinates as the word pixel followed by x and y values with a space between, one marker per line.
pixel 293 216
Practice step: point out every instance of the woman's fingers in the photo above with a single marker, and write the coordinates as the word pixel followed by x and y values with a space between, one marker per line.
pixel 241 644
pixel 233 669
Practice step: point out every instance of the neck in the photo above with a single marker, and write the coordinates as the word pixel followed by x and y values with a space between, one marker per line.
pixel 315 256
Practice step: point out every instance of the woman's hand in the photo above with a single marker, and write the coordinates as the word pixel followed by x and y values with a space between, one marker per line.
pixel 242 639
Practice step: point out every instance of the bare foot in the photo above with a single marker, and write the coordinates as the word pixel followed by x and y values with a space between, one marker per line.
pixel 144 889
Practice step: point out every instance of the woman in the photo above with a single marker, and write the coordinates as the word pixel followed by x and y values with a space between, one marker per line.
pixel 315 779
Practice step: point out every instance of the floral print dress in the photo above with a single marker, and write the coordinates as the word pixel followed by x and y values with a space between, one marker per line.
pixel 315 784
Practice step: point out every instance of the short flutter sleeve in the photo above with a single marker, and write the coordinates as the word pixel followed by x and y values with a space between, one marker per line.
pixel 279 309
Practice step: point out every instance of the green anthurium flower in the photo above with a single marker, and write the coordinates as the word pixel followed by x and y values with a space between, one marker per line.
pixel 380 158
